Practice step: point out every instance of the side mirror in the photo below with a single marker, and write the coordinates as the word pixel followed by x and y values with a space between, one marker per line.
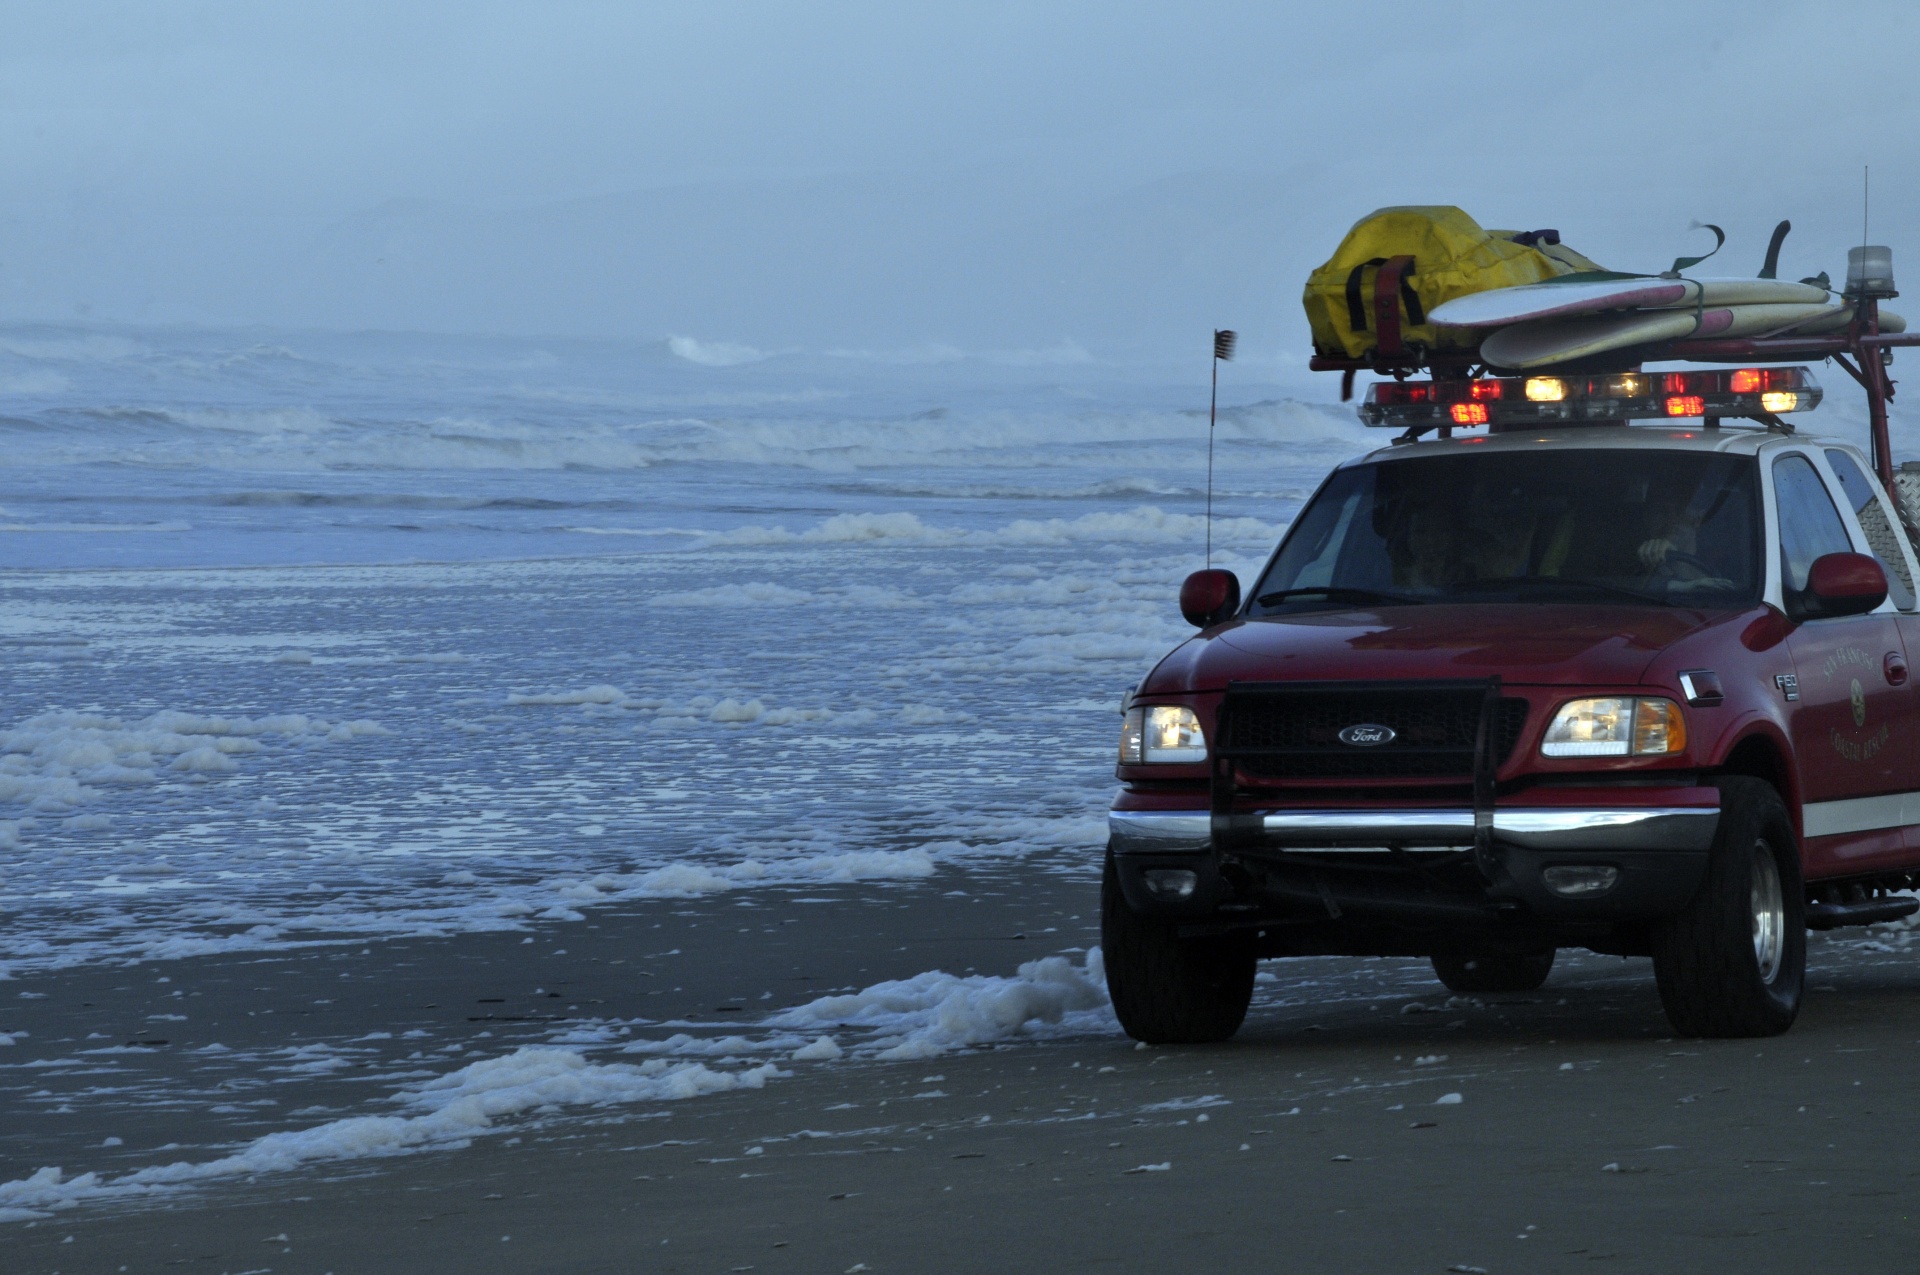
pixel 1209 597
pixel 1843 584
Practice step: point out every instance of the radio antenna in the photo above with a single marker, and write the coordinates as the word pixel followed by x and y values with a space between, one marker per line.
pixel 1223 340
pixel 1866 199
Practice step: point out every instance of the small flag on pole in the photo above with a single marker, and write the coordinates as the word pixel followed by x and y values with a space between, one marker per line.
pixel 1223 340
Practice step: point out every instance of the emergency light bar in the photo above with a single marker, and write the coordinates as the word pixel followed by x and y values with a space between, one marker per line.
pixel 1508 402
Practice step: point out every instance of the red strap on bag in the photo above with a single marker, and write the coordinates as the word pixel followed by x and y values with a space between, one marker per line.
pixel 1388 285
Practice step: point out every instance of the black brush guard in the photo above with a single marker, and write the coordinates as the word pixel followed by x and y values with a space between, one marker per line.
pixel 1248 707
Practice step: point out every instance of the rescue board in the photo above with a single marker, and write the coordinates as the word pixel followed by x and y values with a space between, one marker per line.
pixel 1563 340
pixel 1766 320
pixel 1889 323
pixel 1529 302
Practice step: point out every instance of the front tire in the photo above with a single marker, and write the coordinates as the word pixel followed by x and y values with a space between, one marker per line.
pixel 1168 990
pixel 1733 963
pixel 1476 972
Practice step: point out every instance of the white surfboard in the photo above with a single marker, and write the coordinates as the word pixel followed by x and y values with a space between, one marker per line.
pixel 1548 341
pixel 1537 344
pixel 1766 320
pixel 1528 302
pixel 1837 321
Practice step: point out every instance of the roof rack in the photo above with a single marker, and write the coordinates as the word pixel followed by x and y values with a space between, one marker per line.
pixel 1861 349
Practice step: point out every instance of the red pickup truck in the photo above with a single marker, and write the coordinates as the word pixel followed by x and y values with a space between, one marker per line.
pixel 1639 689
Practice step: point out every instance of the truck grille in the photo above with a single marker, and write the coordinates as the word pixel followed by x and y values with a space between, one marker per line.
pixel 1292 731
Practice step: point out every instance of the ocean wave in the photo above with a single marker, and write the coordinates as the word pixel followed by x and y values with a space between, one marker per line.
pixel 39 381
pixel 89 528
pixel 713 353
pixel 1143 524
pixel 1130 486
pixel 307 438
pixel 1064 354
pixel 389 500
pixel 73 347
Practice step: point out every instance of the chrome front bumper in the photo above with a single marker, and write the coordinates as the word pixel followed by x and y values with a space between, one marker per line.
pixel 1620 829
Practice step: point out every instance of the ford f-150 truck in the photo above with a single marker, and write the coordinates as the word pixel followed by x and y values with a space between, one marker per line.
pixel 1642 689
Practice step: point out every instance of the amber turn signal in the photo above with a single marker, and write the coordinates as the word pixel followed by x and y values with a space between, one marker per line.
pixel 1658 728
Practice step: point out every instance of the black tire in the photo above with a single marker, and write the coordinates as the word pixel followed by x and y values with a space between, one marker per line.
pixel 1168 990
pixel 1733 962
pixel 1474 972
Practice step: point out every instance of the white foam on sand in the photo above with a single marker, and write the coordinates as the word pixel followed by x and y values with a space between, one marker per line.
pixel 729 710
pixel 762 594
pixel 611 696
pixel 446 1112
pixel 922 1017
pixel 55 762
pixel 821 1049
pixel 842 529
pixel 935 1012
pixel 753 593
pixel 689 880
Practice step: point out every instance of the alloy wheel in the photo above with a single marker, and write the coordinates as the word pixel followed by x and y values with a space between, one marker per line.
pixel 1769 912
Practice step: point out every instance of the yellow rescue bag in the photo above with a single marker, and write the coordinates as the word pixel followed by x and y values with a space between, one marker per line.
pixel 1372 298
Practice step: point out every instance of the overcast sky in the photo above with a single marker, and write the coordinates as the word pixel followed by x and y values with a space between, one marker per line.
pixel 987 174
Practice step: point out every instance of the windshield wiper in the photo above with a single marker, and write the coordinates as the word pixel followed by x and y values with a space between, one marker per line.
pixel 1338 593
pixel 1525 584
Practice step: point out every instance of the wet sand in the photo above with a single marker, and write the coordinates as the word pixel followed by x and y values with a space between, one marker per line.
pixel 1584 1139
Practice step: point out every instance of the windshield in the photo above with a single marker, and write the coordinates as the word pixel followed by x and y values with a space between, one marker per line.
pixel 1655 527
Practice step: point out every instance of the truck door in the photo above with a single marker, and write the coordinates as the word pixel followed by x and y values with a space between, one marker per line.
pixel 1852 726
pixel 1887 541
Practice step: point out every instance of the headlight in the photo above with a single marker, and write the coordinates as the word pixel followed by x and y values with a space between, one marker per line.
pixel 1639 727
pixel 1161 734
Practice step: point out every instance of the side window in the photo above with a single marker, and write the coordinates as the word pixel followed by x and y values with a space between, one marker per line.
pixel 1810 526
pixel 1883 537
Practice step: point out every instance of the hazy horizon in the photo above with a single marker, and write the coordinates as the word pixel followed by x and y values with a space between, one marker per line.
pixel 1112 178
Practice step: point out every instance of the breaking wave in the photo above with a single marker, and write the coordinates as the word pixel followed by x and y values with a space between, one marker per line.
pixel 539 433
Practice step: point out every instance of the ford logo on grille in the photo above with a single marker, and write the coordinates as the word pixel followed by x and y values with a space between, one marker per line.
pixel 1367 735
